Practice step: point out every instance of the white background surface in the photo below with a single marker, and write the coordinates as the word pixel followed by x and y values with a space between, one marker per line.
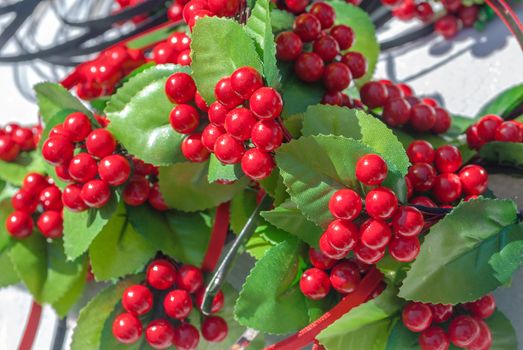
pixel 463 74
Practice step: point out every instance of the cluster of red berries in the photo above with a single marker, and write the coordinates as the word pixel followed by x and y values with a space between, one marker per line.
pixel 492 128
pixel 191 11
pixel 100 76
pixel 437 174
pixel 326 61
pixel 325 274
pixel 457 16
pixel 15 139
pixel 401 107
pixel 406 10
pixel 171 292
pixel 232 124
pixel 38 198
pixel 369 240
pixel 299 6
pixel 466 330
pixel 176 49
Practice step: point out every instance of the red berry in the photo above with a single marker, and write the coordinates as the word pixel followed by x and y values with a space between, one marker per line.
pixel 404 249
pixel 309 67
pixel 228 150
pixel 96 193
pixel 326 47
pixel 25 201
pixel 189 278
pixel 441 313
pixel 267 135
pixel 137 299
pixel 179 41
pixel 19 224
pixel 217 113
pixel 417 317
pixel 9 150
pixel 78 126
pixel 245 81
pixel 184 118
pixel 239 123
pixel 333 98
pixel 186 337
pixel 175 12
pixel 336 76
pixel 34 183
pixel 487 126
pixel 422 176
pixel 342 234
pixel 307 26
pixel 50 223
pixel 217 301
pixel 422 117
pixel 324 13
pixel 367 255
pixel 100 143
pixel 420 151
pixel 82 167
pixel 344 35
pixel 381 203
pixel 508 132
pixel 136 192
pixel 161 274
pixel 423 201
pixel 210 134
pixel 225 94
pixel 447 26
pixel 329 251
pixel 180 88
pixel 214 329
pixel 23 137
pixel 127 328
pixel 178 304
pixel 288 46
pixel 474 179
pixel 375 234
pixel 224 8
pixel 451 5
pixel 266 103
pixel 159 334
pixel 320 260
pixel 315 284
pixel 396 112
pixel 345 204
pixel 424 11
pixel 200 102
pixel 51 198
pixel 393 91
pixel 196 15
pixel 473 139
pixel 468 15
pixel 371 169
pixel 193 148
pixel 257 164
pixel 345 276
pixel 484 340
pixel 443 121
pixel 434 338
pixel 114 169
pixel 156 199
pixel 463 331
pixel 57 150
pixel 296 6
pixel 408 222
pixel 356 62
pixel 484 307
pixel 72 198
pixel 447 188
pixel 448 159
pixel 184 58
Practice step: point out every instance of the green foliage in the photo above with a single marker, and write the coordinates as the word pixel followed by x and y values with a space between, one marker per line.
pixel 26 162
pixel 281 20
pixel 296 94
pixel 457 250
pixel 8 276
pixel 504 103
pixel 274 187
pixel 242 206
pixel 63 305
pixel 510 257
pixel 139 115
pixel 225 172
pixel 504 153
pixel 219 46
pixel 53 98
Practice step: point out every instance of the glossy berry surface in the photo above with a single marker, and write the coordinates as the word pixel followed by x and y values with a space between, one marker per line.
pixel 9 150
pixel 487 126
pixel 447 159
pixel 159 334
pixel 83 167
pixel 194 149
pixel 25 201
pixel 344 35
pixel 307 27
pixel 180 88
pixel 161 274
pixel 100 143
pixel 420 151
pixel 404 249
pixel 375 234
pixel 210 134
pixel 329 251
pixel 326 47
pixel 57 150
pixel 217 302
pixel 78 126
pixel 72 198
pixel 447 188
pixel 422 176
pixel 320 260
pixel 228 150
pixel 342 234
pixel 245 81
pixel 315 284
pixel 408 222
pixel 381 203
pixel 178 304
pixel 19 224
pixel 266 103
pixel 508 132
pixel 225 94
pixel 50 224
pixel 189 278
pixel 217 113
pixel 396 112
pixel 288 46
pixel 368 255
pixel 441 313
pixel 184 118
pixel 127 328
pixel 484 339
pixel 96 193
pixel 137 299
pixel 474 179
pixel 336 76
pixel 114 169
pixel 309 67
pixel 422 117
pixel 257 164
pixel 214 329
pixel 324 13
pixel 356 62
pixel 239 123
pixel 483 307
pixel 463 331
pixel 345 277
pixel 371 170
pixel 267 135
pixel 434 338
pixel 345 204
pixel 417 317
pixel 186 337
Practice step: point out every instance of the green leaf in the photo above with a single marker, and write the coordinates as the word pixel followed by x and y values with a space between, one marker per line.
pixel 296 94
pixel 80 229
pixel 259 27
pixel 365 327
pixel 274 187
pixel 5 210
pixel 224 172
pixel 504 153
pixel 509 259
pixel 366 42
pixel 53 98
pixel 457 250
pixel 26 162
pixel 289 218
pixel 271 300
pixel 459 125
pixel 219 46
pixel 118 249
pixel 504 103
pixel 183 236
pixel 281 20
pixel 88 331
pixel 242 206
pixel 43 267
pixel 314 167
pixel 185 187
pixel 63 305
pixel 331 120
pixel 139 115
pixel 402 339
pixel 8 276
pixel 257 246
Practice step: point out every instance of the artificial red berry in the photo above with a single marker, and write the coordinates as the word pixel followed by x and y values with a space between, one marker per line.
pixel 407 222
pixel 315 284
pixel 189 278
pixel 447 159
pixel 422 117
pixel 329 251
pixel 451 5
pixel 217 301
pixel 137 299
pixel 225 94
pixel 393 91
pixel 336 76
pixel 184 58
pixel 161 274
pixel 156 199
pixel 100 143
pixel 175 12
pixel 19 224
pixel 9 149
pixel 210 134
pixel 78 126
pixel 184 118
pixel 193 148
pixel 441 313
pixel 381 203
pixel 474 179
pixel 214 329
pixel 180 88
pixel 50 223
pixel 72 198
pixel 345 204
pixel 417 317
pixel 267 135
pixel 288 46
pixel 443 121
pixel 23 137
pixel 484 307
pixel 367 255
pixel 307 26
pixel 239 123
pixel 447 26
pixel 159 334
pixel 345 276
pixel 342 234
pixel 257 164
pixel 127 328
pixel 83 167
pixel 186 337
pixel 447 188
pixel 96 193
pixel 473 138
pixel 420 151
pixel 25 201
pixel 344 35
pixel 57 150
pixel 309 67
pixel 228 150
pixel 34 183
pixel 356 62
pixel 245 81
pixel 487 126
pixel 324 13
pixel 422 176
pixel 371 169
pixel 423 201
pixel 484 340
pixel 114 169
pixel 463 331
pixel 434 338
pixel 424 11
pixel 333 98
pixel 136 192
pixel 217 113
pixel 179 41
pixel 296 6
pixel 224 8
pixel 178 304
pixel 404 249
pixel 375 234
pixel 508 132
pixel 326 47
pixel 266 103
pixel 320 260
pixel 396 112
pixel 196 15
pixel 200 102
pixel 468 15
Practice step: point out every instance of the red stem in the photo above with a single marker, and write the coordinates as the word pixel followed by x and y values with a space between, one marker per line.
pixel 31 327
pixel 218 235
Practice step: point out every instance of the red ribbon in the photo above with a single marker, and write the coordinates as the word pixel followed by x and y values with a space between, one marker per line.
pixel 31 327
pixel 308 334
pixel 218 235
